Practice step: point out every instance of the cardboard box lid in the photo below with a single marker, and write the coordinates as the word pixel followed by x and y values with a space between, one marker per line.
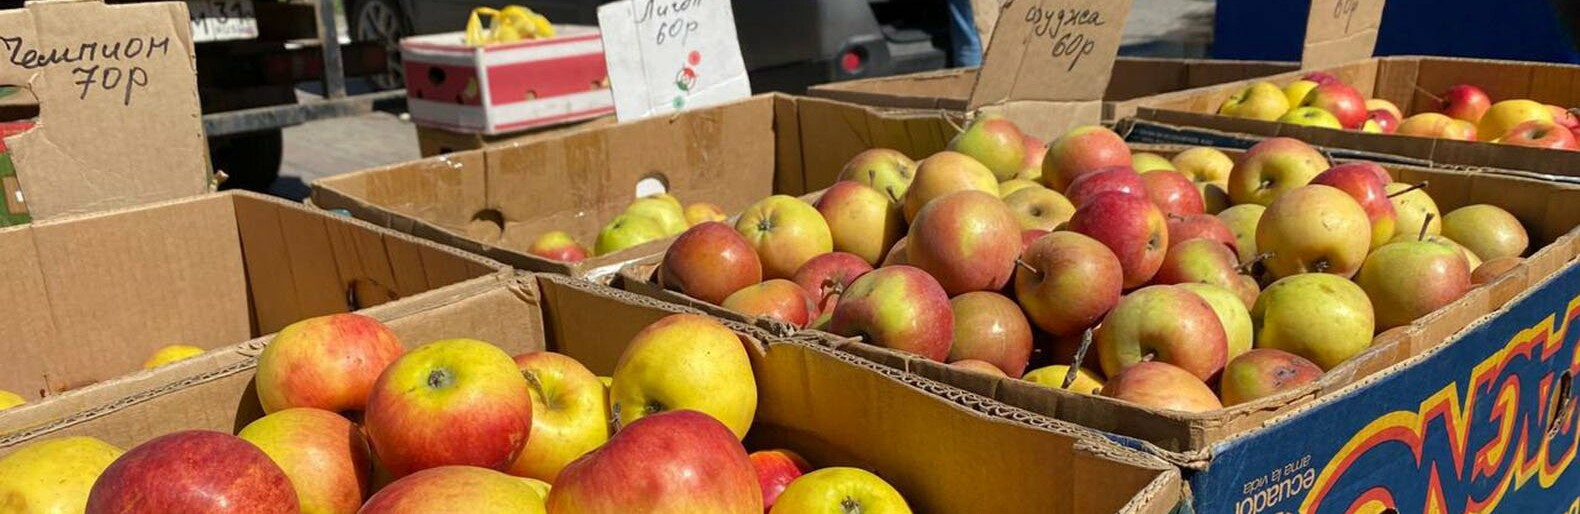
pixel 119 121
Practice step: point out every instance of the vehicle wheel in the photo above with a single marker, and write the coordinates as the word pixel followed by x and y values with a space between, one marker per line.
pixel 382 21
pixel 250 161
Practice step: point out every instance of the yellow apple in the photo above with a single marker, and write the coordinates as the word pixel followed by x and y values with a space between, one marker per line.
pixel 1204 165
pixel 685 361
pixel 322 453
pixel 1143 162
pixel 1504 115
pixel 1013 185
pixel 1413 207
pixel 702 212
pixel 53 476
pixel 666 212
pixel 839 489
pixel 786 232
pixel 540 486
pixel 1086 381
pixel 1296 91
pixel 171 354
pixel 570 414
pixel 1261 101
pixel 9 399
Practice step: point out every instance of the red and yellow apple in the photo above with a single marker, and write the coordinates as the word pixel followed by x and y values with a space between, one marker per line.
pixel 192 471
pixel 1132 227
pixel 1067 282
pixel 570 414
pixel 684 461
pixel 323 453
pixel 861 220
pixel 558 246
pixel 457 489
pixel 327 362
pixel 684 362
pixel 785 232
pixel 710 261
pixel 968 240
pixel 898 307
pixel 990 328
pixel 1080 151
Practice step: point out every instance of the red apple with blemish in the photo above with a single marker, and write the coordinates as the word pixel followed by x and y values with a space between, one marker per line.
pixel 827 275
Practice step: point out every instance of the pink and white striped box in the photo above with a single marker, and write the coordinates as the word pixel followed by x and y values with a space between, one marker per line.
pixel 507 87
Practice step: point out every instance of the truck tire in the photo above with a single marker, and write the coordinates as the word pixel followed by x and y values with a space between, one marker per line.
pixel 381 21
pixel 251 161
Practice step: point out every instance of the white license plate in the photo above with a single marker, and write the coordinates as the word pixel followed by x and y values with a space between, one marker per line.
pixel 222 20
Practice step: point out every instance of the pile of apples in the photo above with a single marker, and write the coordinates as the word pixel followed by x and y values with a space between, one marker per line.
pixel 459 426
pixel 1465 113
pixel 1083 262
pixel 645 219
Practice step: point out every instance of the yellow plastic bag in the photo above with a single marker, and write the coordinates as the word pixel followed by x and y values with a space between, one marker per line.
pixel 513 23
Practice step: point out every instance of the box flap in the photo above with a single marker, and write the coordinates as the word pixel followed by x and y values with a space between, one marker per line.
pixel 1050 51
pixel 1340 31
pixel 119 122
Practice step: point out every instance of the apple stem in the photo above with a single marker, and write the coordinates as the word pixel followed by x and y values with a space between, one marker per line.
pixel 1246 268
pixel 1080 356
pixel 1027 267
pixel 951 121
pixel 892 196
pixel 1425 222
pixel 1149 356
pixel 1418 185
pixel 1429 94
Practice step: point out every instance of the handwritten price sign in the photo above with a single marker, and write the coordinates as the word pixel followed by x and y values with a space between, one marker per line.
pixel 669 55
pixel 1340 31
pixel 1051 50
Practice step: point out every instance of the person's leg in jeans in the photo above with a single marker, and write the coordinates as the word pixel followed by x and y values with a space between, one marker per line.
pixel 965 44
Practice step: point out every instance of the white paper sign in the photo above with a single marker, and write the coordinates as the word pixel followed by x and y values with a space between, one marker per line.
pixel 670 55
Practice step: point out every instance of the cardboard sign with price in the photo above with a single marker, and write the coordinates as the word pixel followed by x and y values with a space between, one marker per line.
pixel 1340 31
pixel 119 123
pixel 669 55
pixel 1049 61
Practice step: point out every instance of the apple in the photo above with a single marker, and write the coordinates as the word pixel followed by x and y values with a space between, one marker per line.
pixel 558 246
pixel 1465 102
pixel 570 414
pixel 1272 168
pixel 1201 261
pixel 826 276
pixel 840 489
pixel 1415 209
pixel 1010 186
pixel 1259 101
pixel 1344 102
pixel 777 299
pixel 1039 208
pixel 898 307
pixel 1173 193
pixel 625 231
pixel 192 471
pixel 457 489
pixel 1487 230
pixel 1507 114
pixel 665 211
pixel 968 240
pixel 1494 268
pixel 1036 151
pixel 1162 386
pixel 684 362
pixel 995 142
pixel 1242 221
pixel 775 470
pixel 327 362
pixel 1322 317
pixel 1370 126
pixel 1162 324
pixel 703 212
pixel 1201 226
pixel 978 366
pixel 710 261
pixel 1086 381
pixel 1314 228
pixel 684 461
pixel 1378 104
pixel 1027 237
pixel 1120 179
pixel 1540 134
pixel 1564 117
pixel 886 170
pixel 1080 151
pixel 171 353
pixel 943 173
pixel 1144 162
pixel 1311 117
pixel 1431 124
pixel 990 328
pixel 52 476
pixel 450 402
pixel 1320 77
pixel 322 453
pixel 1296 91
pixel 896 255
pixel 1233 313
pixel 1470 258
pixel 1367 183
pixel 1410 279
pixel 786 232
pixel 1067 282
pixel 1205 165
pixel 1265 372
pixel 9 399
pixel 1386 121
pixel 1132 227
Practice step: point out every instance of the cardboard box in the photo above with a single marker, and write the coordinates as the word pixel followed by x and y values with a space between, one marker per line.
pixel 506 87
pixel 1409 82
pixel 946 450
pixel 129 251
pixel 437 141
pixel 1422 365
pixel 495 201
pixel 1134 78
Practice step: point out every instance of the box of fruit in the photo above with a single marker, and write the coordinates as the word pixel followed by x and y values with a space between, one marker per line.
pixel 1448 111
pixel 1219 302
pixel 575 203
pixel 602 400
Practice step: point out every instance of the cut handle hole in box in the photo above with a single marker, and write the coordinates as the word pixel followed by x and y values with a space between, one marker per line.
pixel 654 183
